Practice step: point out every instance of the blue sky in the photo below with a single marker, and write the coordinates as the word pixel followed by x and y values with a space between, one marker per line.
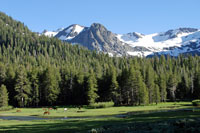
pixel 119 16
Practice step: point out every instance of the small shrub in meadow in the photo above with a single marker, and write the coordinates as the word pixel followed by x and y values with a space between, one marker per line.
pixel 101 105
pixel 6 108
pixel 196 102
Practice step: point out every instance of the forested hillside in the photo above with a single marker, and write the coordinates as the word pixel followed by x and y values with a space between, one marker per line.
pixel 37 71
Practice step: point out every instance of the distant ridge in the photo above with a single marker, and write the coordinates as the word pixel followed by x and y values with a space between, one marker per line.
pixel 96 37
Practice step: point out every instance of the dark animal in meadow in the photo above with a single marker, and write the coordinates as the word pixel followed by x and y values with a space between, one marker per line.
pixel 55 108
pixel 18 110
pixel 80 107
pixel 46 113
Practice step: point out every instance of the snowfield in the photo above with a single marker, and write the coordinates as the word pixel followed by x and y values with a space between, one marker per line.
pixel 161 43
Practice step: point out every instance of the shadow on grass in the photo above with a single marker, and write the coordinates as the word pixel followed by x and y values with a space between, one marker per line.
pixel 187 105
pixel 162 116
pixel 34 115
pixel 57 126
pixel 85 125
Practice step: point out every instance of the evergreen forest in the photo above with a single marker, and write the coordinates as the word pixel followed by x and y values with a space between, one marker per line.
pixel 36 70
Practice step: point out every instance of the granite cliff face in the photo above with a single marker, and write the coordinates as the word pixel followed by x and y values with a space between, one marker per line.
pixel 97 37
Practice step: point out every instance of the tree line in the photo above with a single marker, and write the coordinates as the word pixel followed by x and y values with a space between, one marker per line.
pixel 38 71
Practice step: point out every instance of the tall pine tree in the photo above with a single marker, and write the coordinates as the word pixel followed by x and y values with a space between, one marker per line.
pixel 150 83
pixel 114 87
pixel 34 82
pixel 22 88
pixel 163 87
pixel 50 85
pixel 91 88
pixel 3 96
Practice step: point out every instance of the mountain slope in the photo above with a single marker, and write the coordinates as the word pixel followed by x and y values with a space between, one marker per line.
pixel 97 37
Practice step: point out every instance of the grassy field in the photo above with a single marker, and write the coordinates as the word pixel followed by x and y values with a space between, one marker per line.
pixel 84 112
pixel 95 121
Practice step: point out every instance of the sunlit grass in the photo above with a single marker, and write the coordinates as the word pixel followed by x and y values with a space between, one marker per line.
pixel 83 125
pixel 85 112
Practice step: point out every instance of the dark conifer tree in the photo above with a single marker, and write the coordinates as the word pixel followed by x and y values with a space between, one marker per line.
pixel 34 83
pixel 163 87
pixel 50 85
pixel 157 94
pixel 172 84
pixel 114 87
pixel 150 83
pixel 91 88
pixel 22 88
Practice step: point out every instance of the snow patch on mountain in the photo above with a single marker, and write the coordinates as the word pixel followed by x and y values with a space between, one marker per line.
pixel 139 53
pixel 130 37
pixel 78 29
pixel 49 33
pixel 70 32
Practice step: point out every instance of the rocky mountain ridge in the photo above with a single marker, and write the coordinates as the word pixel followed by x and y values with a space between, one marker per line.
pixel 97 37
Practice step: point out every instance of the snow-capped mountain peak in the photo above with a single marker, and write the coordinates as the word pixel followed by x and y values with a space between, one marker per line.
pixel 97 37
pixel 70 32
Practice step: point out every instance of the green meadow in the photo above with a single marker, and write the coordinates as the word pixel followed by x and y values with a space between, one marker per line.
pixel 112 119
